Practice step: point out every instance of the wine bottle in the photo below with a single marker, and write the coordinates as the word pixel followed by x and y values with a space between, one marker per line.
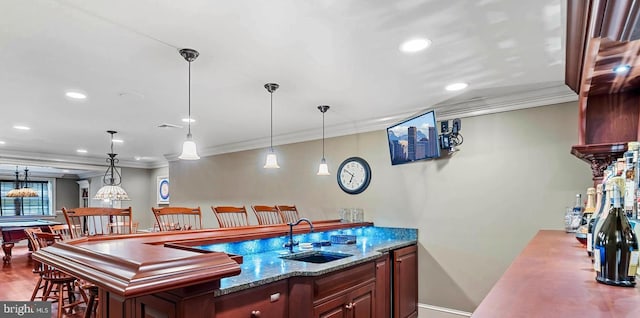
pixel 615 250
pixel 630 158
pixel 592 221
pixel 606 200
pixel 581 233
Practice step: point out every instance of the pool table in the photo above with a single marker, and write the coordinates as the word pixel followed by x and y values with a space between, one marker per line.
pixel 13 232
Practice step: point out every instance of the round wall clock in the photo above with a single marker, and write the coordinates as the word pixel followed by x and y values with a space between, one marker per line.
pixel 354 175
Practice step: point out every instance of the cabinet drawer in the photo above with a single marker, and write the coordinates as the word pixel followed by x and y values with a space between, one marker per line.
pixel 334 283
pixel 269 301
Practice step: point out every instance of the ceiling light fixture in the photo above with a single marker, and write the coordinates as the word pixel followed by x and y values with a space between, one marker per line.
pixel 620 69
pixel 112 191
pixel 76 95
pixel 189 150
pixel 272 160
pixel 24 191
pixel 118 141
pixel 415 45
pixel 81 150
pixel 456 86
pixel 20 127
pixel 188 120
pixel 323 168
pixel 2 142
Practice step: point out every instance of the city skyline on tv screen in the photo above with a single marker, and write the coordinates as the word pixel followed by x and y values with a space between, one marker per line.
pixel 414 139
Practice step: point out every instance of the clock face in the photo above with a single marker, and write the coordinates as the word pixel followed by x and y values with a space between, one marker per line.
pixel 354 175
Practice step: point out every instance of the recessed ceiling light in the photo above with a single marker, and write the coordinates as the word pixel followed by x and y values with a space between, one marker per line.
pixel 20 127
pixel 76 95
pixel 2 142
pixel 66 171
pixel 118 141
pixel 137 157
pixel 415 45
pixel 186 120
pixel 456 86
pixel 621 68
pixel 81 151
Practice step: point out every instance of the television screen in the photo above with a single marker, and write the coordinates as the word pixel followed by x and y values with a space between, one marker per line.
pixel 414 139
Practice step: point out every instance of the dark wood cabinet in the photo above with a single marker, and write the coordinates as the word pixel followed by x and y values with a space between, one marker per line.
pixel 358 303
pixel 405 282
pixel 383 287
pixel 269 301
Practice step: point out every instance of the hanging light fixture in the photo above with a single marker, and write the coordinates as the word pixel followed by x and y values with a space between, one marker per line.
pixel 272 160
pixel 189 151
pixel 112 191
pixel 323 169
pixel 24 191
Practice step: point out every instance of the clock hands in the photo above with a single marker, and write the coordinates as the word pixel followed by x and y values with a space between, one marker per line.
pixel 349 172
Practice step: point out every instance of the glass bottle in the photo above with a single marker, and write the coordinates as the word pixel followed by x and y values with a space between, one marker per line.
pixel 615 250
pixel 581 232
pixel 575 215
pixel 592 221
pixel 630 158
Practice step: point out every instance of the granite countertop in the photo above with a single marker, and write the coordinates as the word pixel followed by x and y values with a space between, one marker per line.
pixel 263 265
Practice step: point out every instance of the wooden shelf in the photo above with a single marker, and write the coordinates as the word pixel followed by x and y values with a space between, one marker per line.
pixel 599 156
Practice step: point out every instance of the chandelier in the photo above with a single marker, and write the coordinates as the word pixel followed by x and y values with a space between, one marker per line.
pixel 112 191
pixel 24 191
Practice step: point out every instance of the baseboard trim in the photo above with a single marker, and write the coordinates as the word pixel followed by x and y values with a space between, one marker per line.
pixel 423 310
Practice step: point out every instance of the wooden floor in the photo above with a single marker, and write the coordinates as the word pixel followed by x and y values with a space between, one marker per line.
pixel 18 280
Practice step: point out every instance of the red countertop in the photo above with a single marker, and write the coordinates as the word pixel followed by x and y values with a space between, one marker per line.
pixel 554 277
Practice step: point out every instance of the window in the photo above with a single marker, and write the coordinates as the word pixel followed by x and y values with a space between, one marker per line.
pixel 34 206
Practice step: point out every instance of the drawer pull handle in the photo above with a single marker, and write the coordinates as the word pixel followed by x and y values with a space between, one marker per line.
pixel 255 314
pixel 349 306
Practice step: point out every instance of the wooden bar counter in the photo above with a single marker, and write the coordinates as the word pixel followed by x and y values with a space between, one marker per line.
pixel 553 277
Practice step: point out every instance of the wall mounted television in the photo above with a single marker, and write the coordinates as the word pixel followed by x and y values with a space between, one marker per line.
pixel 414 139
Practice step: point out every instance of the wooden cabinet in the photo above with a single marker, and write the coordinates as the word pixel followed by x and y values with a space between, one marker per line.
pixel 383 287
pixel 356 304
pixel 269 301
pixel 405 282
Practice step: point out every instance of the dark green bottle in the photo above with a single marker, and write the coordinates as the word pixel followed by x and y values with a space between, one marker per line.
pixel 615 248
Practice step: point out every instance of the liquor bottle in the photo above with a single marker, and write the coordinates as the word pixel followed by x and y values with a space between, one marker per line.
pixel 630 186
pixel 592 221
pixel 615 251
pixel 581 233
pixel 606 204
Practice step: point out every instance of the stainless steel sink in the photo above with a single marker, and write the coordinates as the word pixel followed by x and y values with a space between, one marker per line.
pixel 317 257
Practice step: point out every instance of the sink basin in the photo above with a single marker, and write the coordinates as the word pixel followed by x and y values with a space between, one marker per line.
pixel 317 257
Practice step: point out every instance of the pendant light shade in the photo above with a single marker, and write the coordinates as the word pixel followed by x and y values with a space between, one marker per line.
pixel 112 191
pixel 323 168
pixel 272 159
pixel 189 150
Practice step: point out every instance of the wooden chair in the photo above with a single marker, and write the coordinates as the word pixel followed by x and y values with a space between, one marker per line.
pixel 289 213
pixel 37 266
pixel 62 230
pixel 231 216
pixel 90 288
pixel 178 218
pixel 267 214
pixel 98 221
pixel 56 281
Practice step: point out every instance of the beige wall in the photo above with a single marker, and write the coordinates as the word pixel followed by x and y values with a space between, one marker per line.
pixel 475 211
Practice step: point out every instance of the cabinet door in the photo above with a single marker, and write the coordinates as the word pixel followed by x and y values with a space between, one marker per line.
pixel 269 301
pixel 383 287
pixel 405 282
pixel 362 302
pixel 333 308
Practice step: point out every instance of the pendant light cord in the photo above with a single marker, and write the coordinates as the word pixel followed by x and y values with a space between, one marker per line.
pixel 271 121
pixel 189 134
pixel 323 136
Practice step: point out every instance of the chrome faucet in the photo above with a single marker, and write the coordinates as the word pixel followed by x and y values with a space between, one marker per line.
pixel 291 243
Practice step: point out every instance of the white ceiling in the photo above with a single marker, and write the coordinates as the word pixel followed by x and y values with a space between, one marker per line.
pixel 124 55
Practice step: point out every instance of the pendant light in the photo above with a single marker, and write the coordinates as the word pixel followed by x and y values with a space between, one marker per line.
pixel 272 160
pixel 24 191
pixel 112 191
pixel 189 151
pixel 323 169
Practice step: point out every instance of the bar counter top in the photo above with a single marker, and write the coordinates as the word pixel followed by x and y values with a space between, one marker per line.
pixel 554 277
